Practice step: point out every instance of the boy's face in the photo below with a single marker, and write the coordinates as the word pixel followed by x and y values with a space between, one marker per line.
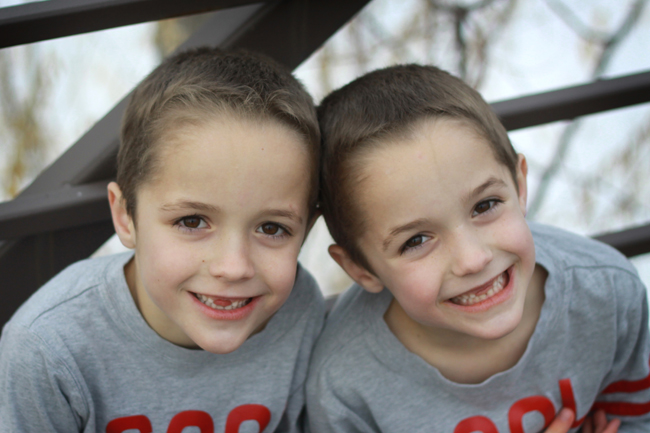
pixel 445 230
pixel 219 229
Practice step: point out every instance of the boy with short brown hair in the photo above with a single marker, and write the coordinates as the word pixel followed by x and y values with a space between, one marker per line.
pixel 210 323
pixel 487 325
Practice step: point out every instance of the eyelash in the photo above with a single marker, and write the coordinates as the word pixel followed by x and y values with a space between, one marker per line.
pixel 406 249
pixel 180 223
pixel 285 231
pixel 494 202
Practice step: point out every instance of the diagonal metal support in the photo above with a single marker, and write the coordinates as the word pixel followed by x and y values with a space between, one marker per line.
pixel 43 20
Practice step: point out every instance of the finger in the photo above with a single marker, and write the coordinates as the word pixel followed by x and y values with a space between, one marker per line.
pixel 613 426
pixel 588 425
pixel 562 422
pixel 600 420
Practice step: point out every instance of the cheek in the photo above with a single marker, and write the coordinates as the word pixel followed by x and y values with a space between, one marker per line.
pixel 417 285
pixel 516 238
pixel 279 268
pixel 165 262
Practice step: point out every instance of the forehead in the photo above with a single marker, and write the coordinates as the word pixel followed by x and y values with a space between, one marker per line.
pixel 231 157
pixel 436 163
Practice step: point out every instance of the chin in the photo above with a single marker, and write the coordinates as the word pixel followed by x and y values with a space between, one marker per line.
pixel 499 330
pixel 222 347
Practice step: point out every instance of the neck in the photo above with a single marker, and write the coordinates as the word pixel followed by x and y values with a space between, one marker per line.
pixel 465 358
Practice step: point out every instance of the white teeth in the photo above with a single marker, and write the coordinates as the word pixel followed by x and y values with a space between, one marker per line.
pixel 210 303
pixel 472 299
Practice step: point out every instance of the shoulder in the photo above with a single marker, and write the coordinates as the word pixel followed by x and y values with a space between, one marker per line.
pixel 564 250
pixel 344 340
pixel 572 250
pixel 305 301
pixel 591 276
pixel 54 302
pixel 302 314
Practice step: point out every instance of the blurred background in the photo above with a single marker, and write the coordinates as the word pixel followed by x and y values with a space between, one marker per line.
pixel 590 175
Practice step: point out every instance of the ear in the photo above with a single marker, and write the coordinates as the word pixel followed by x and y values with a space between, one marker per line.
pixel 122 221
pixel 358 273
pixel 522 173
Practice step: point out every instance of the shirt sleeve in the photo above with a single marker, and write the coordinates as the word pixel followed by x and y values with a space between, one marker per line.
pixel 327 410
pixel 294 417
pixel 626 389
pixel 38 393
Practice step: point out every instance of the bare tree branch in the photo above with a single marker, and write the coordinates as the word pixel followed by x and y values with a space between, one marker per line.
pixel 609 45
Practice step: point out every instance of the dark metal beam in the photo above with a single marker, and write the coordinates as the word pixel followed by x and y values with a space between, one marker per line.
pixel 92 157
pixel 63 208
pixel 572 102
pixel 30 262
pixel 631 242
pixel 43 20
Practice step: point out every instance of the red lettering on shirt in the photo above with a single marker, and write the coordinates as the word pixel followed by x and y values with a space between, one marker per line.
pixel 623 409
pixel 247 412
pixel 535 403
pixel 191 418
pixel 628 385
pixel 134 422
pixel 569 400
pixel 196 418
pixel 472 424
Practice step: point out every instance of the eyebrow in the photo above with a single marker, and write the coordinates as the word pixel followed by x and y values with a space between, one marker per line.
pixel 283 213
pixel 203 207
pixel 187 204
pixel 395 231
pixel 401 229
pixel 492 181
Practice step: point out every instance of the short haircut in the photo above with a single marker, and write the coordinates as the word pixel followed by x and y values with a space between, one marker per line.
pixel 197 85
pixel 384 105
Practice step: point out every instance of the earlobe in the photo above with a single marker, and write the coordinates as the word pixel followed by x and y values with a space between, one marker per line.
pixel 358 273
pixel 122 221
pixel 522 173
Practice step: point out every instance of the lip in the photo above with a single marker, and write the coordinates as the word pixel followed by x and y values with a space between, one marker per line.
pixel 230 315
pixel 503 296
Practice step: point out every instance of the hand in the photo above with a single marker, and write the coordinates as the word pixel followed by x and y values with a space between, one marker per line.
pixel 562 422
pixel 596 422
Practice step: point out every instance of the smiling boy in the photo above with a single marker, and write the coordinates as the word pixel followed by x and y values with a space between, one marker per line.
pixel 210 322
pixel 471 320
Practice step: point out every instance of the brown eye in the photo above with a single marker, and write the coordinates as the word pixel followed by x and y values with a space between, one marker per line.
pixel 273 229
pixel 270 229
pixel 482 207
pixel 485 206
pixel 192 222
pixel 414 241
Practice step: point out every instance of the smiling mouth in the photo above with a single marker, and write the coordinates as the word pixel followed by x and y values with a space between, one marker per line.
pixel 222 303
pixel 483 293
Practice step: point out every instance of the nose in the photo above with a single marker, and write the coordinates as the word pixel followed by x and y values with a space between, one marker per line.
pixel 470 253
pixel 231 259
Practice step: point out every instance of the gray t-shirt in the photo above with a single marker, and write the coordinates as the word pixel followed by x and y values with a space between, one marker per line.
pixel 78 356
pixel 590 345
